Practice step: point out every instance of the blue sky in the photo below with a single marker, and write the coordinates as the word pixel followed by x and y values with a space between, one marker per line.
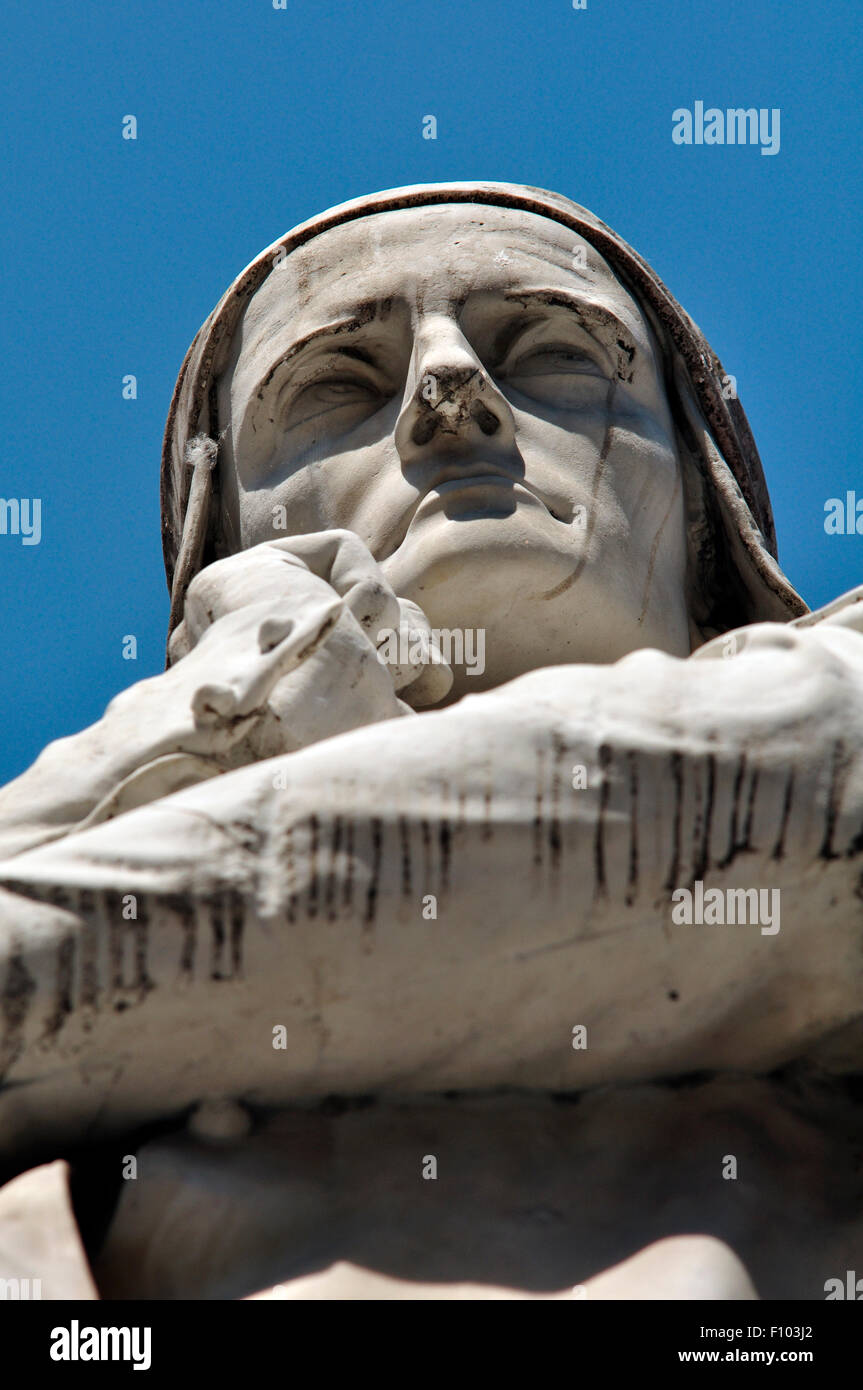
pixel 251 119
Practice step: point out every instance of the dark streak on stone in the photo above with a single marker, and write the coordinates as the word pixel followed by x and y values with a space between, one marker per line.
pixel 697 818
pixel 313 866
pixel 733 843
pixel 290 872
pixel 554 837
pixel 461 816
pixel 654 548
pixel 251 837
pixel 487 830
pixel 426 834
pixel 374 877
pixel 116 942
pixel 632 876
pixel 594 493
pixel 59 895
pixel 335 847
pixel 539 814
pixel 778 851
pixel 702 849
pixel 599 839
pixel 674 867
pixel 19 988
pixel 236 910
pixel 217 947
pixel 89 981
pixel 64 985
pixel 348 890
pixel 183 909
pixel 855 846
pixel 445 842
pixel 841 766
pixel 405 841
pixel 143 983
pixel 746 842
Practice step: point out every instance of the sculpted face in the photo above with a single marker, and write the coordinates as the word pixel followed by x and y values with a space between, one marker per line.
pixel 474 393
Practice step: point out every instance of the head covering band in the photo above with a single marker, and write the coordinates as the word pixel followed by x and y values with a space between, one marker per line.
pixel 728 452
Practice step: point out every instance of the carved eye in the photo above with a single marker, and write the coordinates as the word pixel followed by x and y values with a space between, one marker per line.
pixel 339 389
pixel 554 375
pixel 349 397
pixel 552 360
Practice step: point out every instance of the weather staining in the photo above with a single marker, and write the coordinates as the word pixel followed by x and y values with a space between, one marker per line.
pixel 534 455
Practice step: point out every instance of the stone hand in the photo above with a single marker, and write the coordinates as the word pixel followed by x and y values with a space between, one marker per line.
pixel 260 613
pixel 277 650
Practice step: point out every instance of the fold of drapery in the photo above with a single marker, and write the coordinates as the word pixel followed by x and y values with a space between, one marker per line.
pixel 739 521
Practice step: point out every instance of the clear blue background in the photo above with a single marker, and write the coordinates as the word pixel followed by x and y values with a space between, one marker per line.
pixel 251 119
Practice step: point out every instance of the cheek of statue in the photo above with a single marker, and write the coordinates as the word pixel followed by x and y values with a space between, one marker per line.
pixel 584 559
pixel 357 483
pixel 507 458
pixel 579 557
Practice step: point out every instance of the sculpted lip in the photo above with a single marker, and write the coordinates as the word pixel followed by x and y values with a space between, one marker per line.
pixel 479 483
pixel 458 478
pixel 474 480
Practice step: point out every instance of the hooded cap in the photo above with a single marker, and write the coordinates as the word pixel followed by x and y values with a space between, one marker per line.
pixel 735 542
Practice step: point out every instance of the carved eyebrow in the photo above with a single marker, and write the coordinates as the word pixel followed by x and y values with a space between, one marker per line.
pixel 338 327
pixel 359 353
pixel 510 332
pixel 589 315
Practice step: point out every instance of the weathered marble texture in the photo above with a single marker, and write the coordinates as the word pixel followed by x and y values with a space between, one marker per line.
pixel 300 903
pixel 501 421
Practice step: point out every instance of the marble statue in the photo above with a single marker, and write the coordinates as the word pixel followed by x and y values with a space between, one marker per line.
pixel 475 898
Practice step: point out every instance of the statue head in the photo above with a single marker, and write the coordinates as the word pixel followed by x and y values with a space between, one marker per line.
pixel 503 401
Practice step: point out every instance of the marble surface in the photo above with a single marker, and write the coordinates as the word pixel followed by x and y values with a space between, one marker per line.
pixel 327 851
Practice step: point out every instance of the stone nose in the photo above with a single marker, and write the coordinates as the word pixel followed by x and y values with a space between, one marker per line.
pixel 452 397
pixel 449 399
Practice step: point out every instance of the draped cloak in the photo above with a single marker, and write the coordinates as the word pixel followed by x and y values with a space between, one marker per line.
pixel 734 540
